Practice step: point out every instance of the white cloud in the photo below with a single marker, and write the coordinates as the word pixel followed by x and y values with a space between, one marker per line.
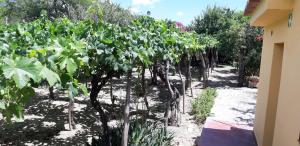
pixel 134 10
pixel 144 2
pixel 179 13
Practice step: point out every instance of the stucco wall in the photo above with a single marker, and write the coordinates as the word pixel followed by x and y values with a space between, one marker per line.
pixel 287 115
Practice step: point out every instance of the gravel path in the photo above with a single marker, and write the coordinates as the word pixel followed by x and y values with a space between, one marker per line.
pixel 189 130
pixel 233 105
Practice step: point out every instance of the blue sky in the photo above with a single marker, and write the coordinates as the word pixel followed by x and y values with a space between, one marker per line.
pixel 179 10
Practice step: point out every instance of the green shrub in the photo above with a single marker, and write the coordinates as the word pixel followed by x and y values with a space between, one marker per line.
pixel 140 134
pixel 202 105
pixel 149 134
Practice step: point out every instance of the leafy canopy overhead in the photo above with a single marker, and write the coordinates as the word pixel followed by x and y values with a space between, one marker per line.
pixel 62 52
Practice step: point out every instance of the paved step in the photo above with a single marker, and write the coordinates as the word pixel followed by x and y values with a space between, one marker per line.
pixel 218 133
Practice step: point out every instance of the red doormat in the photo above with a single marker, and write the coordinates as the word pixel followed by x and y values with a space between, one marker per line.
pixel 216 133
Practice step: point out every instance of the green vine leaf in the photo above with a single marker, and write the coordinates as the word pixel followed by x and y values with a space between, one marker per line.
pixel 83 89
pixel 21 70
pixel 69 64
pixel 2 105
pixel 72 91
pixel 50 76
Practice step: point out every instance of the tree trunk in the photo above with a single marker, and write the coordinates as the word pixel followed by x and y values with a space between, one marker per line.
pixel 72 124
pixel 207 63
pixel 155 70
pixel 144 88
pixel 171 101
pixel 151 73
pixel 166 115
pixel 112 97
pixel 217 57
pixel 183 88
pixel 97 84
pixel 127 110
pixel 187 85
pixel 6 20
pixel 241 78
pixel 51 93
pixel 168 103
pixel 204 69
pixel 177 108
pixel 189 74
pixel 55 8
pixel 213 61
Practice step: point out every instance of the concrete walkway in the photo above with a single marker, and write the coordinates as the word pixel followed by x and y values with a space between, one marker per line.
pixel 233 104
pixel 232 117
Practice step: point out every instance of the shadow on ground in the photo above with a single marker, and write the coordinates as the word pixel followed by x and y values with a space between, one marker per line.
pixel 45 120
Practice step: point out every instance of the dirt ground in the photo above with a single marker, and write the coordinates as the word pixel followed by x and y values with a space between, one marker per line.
pixel 46 120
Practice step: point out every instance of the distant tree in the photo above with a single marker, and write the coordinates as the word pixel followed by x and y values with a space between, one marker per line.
pixel 7 7
pixel 237 40
pixel 114 13
pixel 217 22
pixel 29 10
pixel 249 53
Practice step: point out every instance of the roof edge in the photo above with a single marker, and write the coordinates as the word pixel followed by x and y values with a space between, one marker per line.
pixel 251 6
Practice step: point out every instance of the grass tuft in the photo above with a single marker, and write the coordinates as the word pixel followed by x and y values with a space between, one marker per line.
pixel 203 104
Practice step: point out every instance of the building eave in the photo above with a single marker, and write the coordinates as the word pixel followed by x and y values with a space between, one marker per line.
pixel 250 7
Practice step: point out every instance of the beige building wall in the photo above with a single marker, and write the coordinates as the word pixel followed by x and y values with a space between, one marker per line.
pixel 278 104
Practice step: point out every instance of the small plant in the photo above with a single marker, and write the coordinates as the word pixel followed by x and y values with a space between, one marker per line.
pixel 140 134
pixel 253 81
pixel 203 104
